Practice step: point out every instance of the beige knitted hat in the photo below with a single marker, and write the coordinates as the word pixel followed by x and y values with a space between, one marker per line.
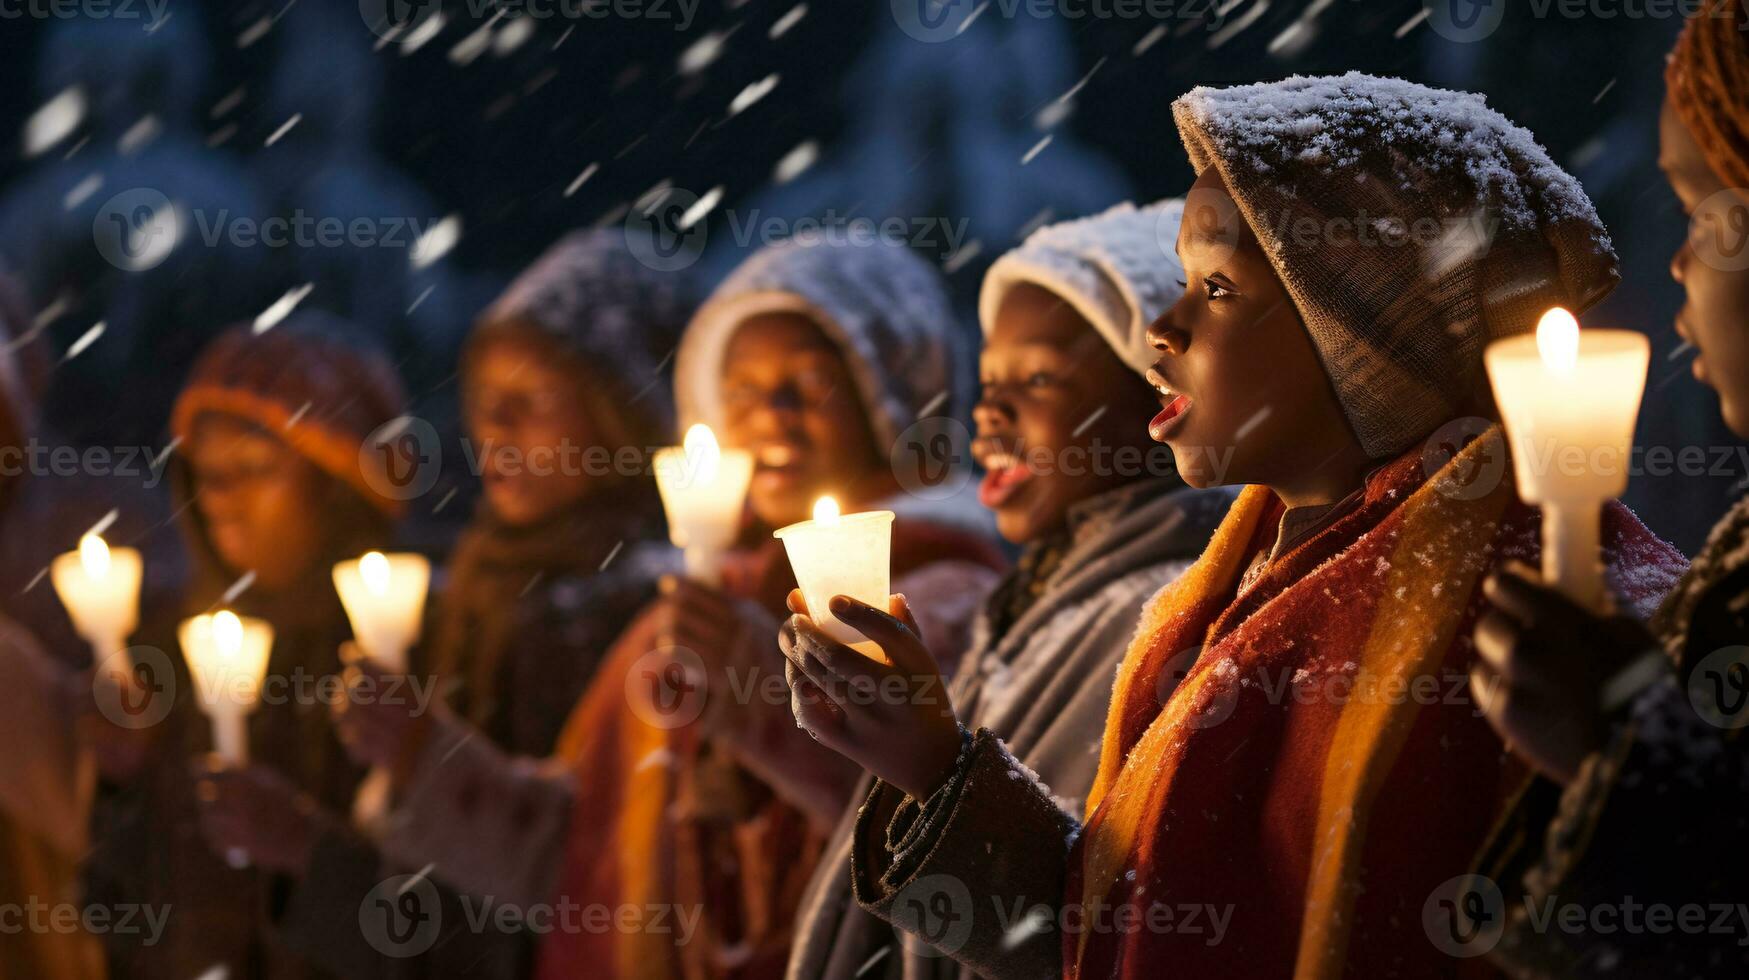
pixel 1410 225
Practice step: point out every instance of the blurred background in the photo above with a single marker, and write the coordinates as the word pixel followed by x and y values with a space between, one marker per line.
pixel 456 140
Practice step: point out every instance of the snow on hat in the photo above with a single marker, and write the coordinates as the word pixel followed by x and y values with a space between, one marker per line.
pixel 1708 82
pixel 884 308
pixel 1410 225
pixel 308 384
pixel 590 295
pixel 1118 269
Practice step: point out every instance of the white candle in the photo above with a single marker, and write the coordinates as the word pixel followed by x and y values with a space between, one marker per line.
pixel 100 586
pixel 842 555
pixel 1569 399
pixel 704 489
pixel 384 597
pixel 227 655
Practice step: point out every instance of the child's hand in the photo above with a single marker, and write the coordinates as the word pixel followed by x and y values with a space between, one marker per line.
pixel 895 721
pixel 379 722
pixel 1542 668
pixel 253 813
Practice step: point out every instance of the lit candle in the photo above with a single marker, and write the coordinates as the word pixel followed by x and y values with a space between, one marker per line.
pixel 842 555
pixel 227 656
pixel 384 598
pixel 1569 399
pixel 703 488
pixel 100 586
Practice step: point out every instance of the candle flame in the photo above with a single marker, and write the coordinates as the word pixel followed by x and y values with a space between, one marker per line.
pixel 94 555
pixel 374 569
pixel 702 452
pixel 826 510
pixel 1557 340
pixel 227 633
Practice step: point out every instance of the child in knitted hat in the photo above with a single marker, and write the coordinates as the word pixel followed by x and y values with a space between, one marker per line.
pixel 1637 727
pixel 1272 759
pixel 563 551
pixel 1103 519
pixel 268 429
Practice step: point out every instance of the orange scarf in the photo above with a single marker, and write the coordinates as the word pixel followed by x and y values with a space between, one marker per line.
pixel 1321 768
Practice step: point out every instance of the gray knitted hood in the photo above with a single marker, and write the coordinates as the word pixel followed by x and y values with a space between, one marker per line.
pixel 885 309
pixel 591 295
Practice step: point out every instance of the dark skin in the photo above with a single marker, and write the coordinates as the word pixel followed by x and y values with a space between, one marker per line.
pixel 789 398
pixel 1237 347
pixel 1543 661
pixel 1044 372
pixel 262 504
pixel 522 405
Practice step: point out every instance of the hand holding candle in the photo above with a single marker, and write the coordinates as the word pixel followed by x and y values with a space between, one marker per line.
pixel 704 489
pixel 227 656
pixel 1569 399
pixel 848 554
pixel 100 587
pixel 384 597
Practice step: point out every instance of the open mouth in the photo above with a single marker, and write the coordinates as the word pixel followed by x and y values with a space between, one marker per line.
pixel 777 462
pixel 1174 405
pixel 1005 472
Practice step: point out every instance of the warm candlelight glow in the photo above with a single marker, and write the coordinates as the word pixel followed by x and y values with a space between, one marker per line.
pixel 704 493
pixel 100 587
pixel 94 557
pixel 227 634
pixel 1557 342
pixel 384 598
pixel 703 455
pixel 1569 398
pixel 374 569
pixel 826 511
pixel 848 554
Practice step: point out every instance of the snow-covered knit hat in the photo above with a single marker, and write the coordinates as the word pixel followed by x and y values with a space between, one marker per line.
pixel 1118 269
pixel 589 294
pixel 1410 225
pixel 308 382
pixel 885 309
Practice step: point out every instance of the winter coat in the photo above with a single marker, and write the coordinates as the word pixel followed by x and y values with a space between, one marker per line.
pixel 1650 823
pixel 1285 776
pixel 1044 681
pixel 321 397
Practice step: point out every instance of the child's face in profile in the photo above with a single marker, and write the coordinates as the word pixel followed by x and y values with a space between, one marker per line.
pixel 1056 405
pixel 1710 265
pixel 527 419
pixel 789 397
pixel 1245 397
pixel 262 504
